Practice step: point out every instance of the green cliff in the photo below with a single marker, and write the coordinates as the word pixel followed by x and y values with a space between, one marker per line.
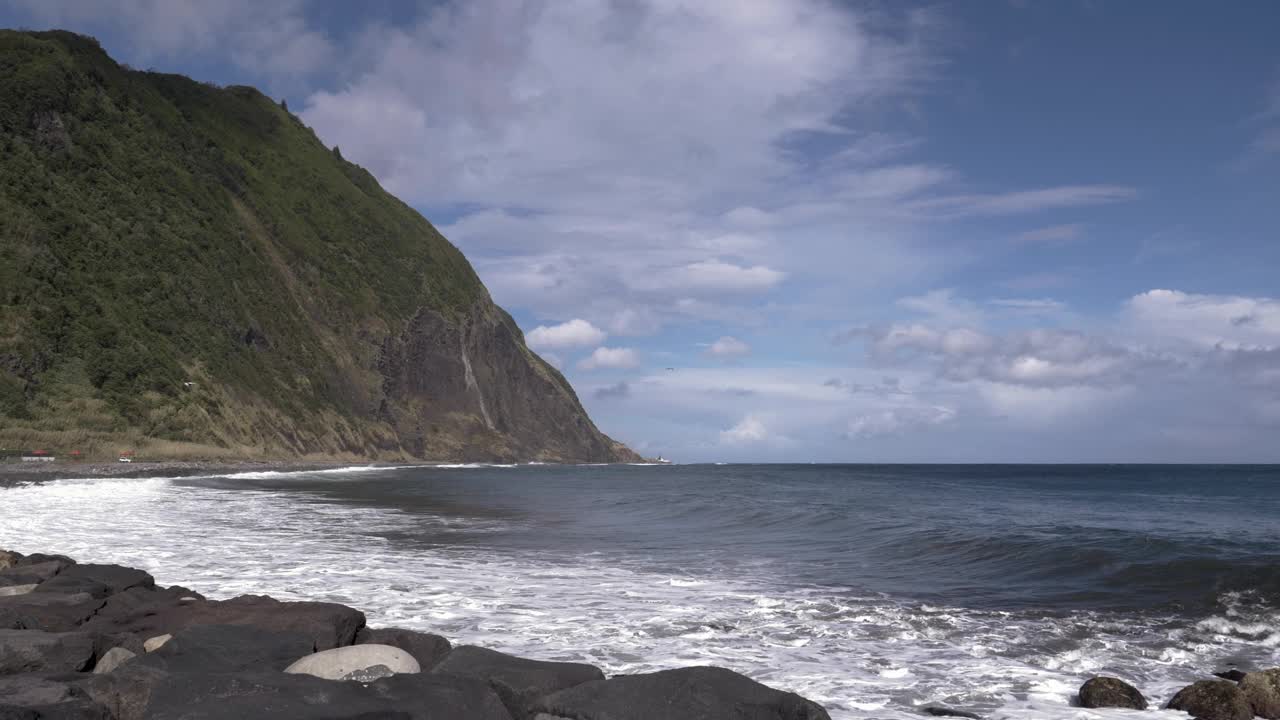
pixel 187 271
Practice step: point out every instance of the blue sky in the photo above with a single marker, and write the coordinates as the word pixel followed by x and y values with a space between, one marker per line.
pixel 806 230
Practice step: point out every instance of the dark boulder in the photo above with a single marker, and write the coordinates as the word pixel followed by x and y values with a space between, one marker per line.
pixel 148 613
pixel 518 681
pixel 228 648
pixel 148 694
pixel 1262 689
pixel 426 648
pixel 1233 675
pixel 696 693
pixel 48 697
pixel 936 711
pixel 97 580
pixel 1109 692
pixel 1212 700
pixel 41 558
pixel 13 712
pixel 38 572
pixel 51 612
pixel 26 651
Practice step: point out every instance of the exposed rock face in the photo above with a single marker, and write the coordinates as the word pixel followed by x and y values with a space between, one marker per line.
pixel 26 651
pixel 697 693
pixel 469 387
pixel 518 681
pixel 1109 692
pixel 1262 688
pixel 1212 700
pixel 228 648
pixel 113 659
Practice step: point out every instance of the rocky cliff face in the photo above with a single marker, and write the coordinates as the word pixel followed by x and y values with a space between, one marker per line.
pixel 186 270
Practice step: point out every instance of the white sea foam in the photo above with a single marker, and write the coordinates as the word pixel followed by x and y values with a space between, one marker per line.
pixel 863 657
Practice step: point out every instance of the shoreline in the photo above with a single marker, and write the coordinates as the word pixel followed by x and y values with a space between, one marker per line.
pixel 104 641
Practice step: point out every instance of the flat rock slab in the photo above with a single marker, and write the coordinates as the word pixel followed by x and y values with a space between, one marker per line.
pixel 11 590
pixel 1109 692
pixel 115 578
pixel 27 651
pixel 51 612
pixel 697 693
pixel 1213 700
pixel 41 571
pixel 156 612
pixel 518 681
pixel 1262 689
pixel 303 697
pixel 47 697
pixel 356 662
pixel 228 648
pixel 426 648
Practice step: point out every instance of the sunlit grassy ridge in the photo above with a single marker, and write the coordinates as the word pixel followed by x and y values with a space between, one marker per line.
pixel 190 266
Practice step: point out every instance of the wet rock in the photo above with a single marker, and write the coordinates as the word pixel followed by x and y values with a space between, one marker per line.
pixel 1212 700
pixel 696 693
pixel 518 681
pixel 360 660
pixel 153 644
pixel 113 659
pixel 280 696
pixel 228 648
pixel 1233 675
pixel 26 651
pixel 116 578
pixel 1109 692
pixel 426 648
pixel 1262 689
pixel 936 711
pixel 12 590
pixel 51 612
pixel 157 612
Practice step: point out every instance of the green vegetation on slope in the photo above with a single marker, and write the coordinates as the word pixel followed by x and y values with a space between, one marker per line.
pixel 189 266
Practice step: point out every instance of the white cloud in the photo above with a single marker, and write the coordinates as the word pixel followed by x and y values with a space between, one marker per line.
pixel 728 347
pixel 750 430
pixel 271 39
pixel 1229 321
pixel 571 334
pixel 1029 201
pixel 897 420
pixel 713 275
pixel 610 358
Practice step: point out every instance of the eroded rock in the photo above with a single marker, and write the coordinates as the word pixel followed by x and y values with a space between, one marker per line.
pixel 1109 692
pixel 518 681
pixel 696 693
pixel 1212 700
pixel 28 651
pixel 1262 689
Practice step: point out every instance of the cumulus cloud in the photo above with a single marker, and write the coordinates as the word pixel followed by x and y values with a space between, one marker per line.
pixel 1229 321
pixel 750 430
pixel 610 358
pixel 897 420
pixel 728 347
pixel 570 334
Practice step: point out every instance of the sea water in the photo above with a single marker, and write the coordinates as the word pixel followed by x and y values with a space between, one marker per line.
pixel 875 590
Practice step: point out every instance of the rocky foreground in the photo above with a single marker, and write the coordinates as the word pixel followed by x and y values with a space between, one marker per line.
pixel 84 641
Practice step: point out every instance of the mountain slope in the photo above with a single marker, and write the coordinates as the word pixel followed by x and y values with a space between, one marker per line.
pixel 187 270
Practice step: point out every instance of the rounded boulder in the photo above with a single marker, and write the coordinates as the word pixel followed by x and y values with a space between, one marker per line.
pixel 1262 689
pixel 1109 692
pixel 356 662
pixel 1213 700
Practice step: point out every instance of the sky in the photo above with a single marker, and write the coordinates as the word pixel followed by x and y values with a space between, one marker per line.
pixel 818 231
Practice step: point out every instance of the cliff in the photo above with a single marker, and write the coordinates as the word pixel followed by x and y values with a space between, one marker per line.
pixel 187 271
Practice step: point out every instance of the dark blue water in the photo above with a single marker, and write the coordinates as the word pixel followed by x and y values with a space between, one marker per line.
pixel 993 536
pixel 872 589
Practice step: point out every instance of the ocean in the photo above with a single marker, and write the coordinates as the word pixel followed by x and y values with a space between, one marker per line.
pixel 874 590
